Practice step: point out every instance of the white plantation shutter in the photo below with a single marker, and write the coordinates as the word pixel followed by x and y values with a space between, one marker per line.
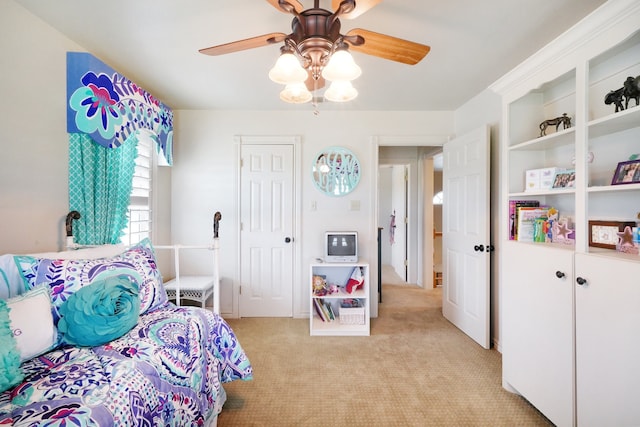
pixel 140 201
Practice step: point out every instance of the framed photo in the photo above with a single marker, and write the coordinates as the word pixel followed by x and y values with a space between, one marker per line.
pixel 604 234
pixel 564 179
pixel 627 173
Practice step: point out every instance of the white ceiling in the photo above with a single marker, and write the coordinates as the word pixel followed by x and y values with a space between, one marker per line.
pixel 155 43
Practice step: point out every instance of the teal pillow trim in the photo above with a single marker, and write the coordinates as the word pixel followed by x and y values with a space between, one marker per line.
pixel 11 373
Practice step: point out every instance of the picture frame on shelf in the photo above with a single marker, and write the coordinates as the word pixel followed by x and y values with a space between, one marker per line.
pixel 564 179
pixel 627 173
pixel 604 234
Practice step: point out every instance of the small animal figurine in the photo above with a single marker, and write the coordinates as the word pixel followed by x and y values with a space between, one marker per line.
pixel 631 90
pixel 615 97
pixel 562 120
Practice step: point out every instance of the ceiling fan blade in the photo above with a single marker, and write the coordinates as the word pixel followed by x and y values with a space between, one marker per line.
pixel 388 47
pixel 361 7
pixel 245 44
pixel 298 7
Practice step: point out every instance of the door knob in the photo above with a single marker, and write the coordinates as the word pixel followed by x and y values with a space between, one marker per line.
pixel 288 240
pixel 490 248
pixel 478 248
pixel 559 274
pixel 581 281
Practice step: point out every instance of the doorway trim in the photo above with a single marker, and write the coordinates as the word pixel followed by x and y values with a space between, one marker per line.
pixel 376 142
pixel 296 142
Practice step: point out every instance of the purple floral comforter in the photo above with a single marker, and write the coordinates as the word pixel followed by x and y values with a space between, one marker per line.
pixel 168 370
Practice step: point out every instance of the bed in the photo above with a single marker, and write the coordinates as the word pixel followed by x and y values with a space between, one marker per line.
pixel 151 364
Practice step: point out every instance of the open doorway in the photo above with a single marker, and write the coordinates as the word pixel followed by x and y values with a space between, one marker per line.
pixel 410 242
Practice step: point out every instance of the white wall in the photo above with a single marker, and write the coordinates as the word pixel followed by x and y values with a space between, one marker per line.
pixel 33 177
pixel 34 197
pixel 204 177
pixel 485 108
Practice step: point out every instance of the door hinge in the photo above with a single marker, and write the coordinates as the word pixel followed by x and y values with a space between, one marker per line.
pixel 406 262
pixel 241 163
pixel 240 290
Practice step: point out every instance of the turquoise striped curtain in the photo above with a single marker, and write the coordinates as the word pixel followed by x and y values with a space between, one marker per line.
pixel 100 182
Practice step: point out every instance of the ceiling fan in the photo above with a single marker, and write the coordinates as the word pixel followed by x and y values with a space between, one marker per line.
pixel 315 40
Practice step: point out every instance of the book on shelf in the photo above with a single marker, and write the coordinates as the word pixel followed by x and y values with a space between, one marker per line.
pixel 532 223
pixel 317 305
pixel 330 312
pixel 513 215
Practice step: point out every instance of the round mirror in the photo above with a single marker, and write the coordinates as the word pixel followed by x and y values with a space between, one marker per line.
pixel 336 171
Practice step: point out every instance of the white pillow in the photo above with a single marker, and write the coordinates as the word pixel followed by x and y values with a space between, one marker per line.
pixel 12 283
pixel 102 251
pixel 32 323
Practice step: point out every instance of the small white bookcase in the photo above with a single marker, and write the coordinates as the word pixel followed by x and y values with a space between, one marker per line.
pixel 341 320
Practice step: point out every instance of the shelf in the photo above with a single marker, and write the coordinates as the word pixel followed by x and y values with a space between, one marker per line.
pixel 614 188
pixel 554 140
pixel 334 327
pixel 612 253
pixel 342 294
pixel 616 122
pixel 560 246
pixel 552 192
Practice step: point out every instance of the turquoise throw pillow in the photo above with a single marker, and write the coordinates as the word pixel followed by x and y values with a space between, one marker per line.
pixel 10 371
pixel 101 312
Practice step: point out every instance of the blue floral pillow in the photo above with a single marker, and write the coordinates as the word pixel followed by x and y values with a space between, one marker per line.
pixel 65 277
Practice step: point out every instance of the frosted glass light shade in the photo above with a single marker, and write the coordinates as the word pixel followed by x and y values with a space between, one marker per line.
pixel 288 70
pixel 341 66
pixel 296 93
pixel 341 91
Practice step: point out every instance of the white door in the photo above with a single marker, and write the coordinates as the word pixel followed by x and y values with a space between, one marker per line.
pixel 466 234
pixel 266 235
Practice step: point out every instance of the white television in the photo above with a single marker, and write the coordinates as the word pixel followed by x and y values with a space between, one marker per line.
pixel 341 246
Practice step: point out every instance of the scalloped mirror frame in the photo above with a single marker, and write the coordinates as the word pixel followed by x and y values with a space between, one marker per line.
pixel 335 171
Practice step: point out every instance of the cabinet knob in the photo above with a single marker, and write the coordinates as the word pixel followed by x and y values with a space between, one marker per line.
pixel 559 274
pixel 581 281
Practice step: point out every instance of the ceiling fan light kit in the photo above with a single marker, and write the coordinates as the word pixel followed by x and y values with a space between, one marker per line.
pixel 340 91
pixel 287 70
pixel 316 50
pixel 296 93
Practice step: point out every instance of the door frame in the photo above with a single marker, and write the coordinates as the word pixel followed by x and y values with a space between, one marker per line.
pixel 296 142
pixel 389 141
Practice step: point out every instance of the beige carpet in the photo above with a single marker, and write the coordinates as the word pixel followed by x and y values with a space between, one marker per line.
pixel 390 277
pixel 415 369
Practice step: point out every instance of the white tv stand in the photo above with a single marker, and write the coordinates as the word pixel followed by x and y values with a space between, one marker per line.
pixel 346 321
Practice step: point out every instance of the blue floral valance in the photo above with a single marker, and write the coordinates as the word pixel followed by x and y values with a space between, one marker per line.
pixel 109 107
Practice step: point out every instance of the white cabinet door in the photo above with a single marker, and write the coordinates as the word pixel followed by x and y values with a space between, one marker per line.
pixel 607 341
pixel 537 319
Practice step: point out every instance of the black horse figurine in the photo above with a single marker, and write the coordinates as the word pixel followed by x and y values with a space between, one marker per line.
pixel 631 90
pixel 561 120
pixel 615 97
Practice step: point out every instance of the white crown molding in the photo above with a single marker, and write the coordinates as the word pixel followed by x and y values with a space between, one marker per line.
pixel 593 26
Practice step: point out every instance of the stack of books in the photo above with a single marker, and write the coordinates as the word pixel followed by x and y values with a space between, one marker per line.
pixel 324 310
pixel 531 222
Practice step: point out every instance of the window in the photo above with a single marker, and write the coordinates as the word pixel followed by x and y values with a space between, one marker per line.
pixel 437 199
pixel 139 214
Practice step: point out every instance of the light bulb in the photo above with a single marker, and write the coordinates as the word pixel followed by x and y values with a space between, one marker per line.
pixel 296 93
pixel 341 66
pixel 341 91
pixel 288 70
